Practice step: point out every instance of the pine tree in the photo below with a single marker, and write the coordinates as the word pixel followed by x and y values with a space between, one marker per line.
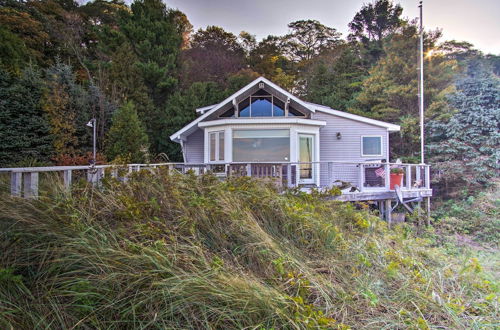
pixel 465 149
pixel 127 138
pixel 24 132
pixel 156 37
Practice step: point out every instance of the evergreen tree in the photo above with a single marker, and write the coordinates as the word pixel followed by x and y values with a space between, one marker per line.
pixel 334 78
pixel 390 92
pixel 181 110
pixel 156 35
pixel 24 132
pixel 465 149
pixel 156 40
pixel 127 138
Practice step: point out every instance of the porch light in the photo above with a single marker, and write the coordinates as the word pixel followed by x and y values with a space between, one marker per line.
pixel 339 136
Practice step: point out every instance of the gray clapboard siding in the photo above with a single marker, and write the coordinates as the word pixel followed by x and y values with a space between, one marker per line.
pixel 348 148
pixel 193 147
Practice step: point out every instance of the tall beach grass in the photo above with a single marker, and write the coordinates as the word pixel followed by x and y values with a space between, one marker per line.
pixel 184 251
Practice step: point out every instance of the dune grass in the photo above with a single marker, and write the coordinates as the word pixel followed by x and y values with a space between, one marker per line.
pixel 180 251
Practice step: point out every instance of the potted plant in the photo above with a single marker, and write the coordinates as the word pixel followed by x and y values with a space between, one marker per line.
pixel 396 177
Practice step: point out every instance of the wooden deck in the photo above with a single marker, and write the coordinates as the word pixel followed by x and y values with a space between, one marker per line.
pixel 382 195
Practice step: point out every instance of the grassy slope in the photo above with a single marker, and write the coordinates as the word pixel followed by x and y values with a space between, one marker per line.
pixel 186 251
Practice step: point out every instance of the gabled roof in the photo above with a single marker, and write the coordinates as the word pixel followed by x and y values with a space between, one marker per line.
pixel 323 108
pixel 193 125
pixel 209 110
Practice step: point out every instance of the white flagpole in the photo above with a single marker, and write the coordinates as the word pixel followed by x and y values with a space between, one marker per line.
pixel 421 87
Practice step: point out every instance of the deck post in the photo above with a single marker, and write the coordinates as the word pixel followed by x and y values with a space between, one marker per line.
pixel 289 182
pixel 67 174
pixel 31 185
pixel 408 177
pixel 418 176
pixel 427 177
pixel 16 179
pixel 330 174
pixel 249 169
pixel 361 177
pixel 381 209
pixel 388 211
pixel 387 181
pixel 428 206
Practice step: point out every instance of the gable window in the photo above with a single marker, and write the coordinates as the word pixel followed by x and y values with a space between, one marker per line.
pixel 262 106
pixel 371 145
pixel 261 145
pixel 216 146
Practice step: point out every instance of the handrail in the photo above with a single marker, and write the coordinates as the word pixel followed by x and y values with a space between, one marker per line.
pixel 86 167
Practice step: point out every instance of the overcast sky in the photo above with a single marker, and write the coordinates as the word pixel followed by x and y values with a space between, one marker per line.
pixel 475 21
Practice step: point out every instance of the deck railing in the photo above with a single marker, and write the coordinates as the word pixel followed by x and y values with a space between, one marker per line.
pixel 351 176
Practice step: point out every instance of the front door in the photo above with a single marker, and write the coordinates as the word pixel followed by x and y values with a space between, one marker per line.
pixel 306 156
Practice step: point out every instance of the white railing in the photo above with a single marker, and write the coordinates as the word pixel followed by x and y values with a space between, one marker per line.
pixel 355 176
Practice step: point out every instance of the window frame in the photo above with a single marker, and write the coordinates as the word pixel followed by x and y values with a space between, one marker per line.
pixel 218 157
pixel 381 146
pixel 261 96
pixel 289 137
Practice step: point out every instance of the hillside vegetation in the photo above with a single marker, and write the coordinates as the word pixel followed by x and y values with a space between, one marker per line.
pixel 175 251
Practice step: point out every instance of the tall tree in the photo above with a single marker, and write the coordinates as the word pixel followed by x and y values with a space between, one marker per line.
pixel 24 131
pixel 464 149
pixel 269 59
pixel 308 38
pixel 374 22
pixel 390 92
pixel 150 27
pixel 127 138
pixel 334 78
pixel 215 54
pixel 69 106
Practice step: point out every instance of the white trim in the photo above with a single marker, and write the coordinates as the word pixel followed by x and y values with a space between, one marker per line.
pixel 325 109
pixel 315 171
pixel 217 134
pixel 262 120
pixel 176 136
pixel 202 110
pixel 381 146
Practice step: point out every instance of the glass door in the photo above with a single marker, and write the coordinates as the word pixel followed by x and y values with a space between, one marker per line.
pixel 306 153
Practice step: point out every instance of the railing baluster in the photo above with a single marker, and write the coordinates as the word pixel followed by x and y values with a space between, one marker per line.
pixel 427 177
pixel 31 185
pixel 387 170
pixel 67 176
pixel 16 179
pixel 408 177
pixel 361 177
pixel 418 178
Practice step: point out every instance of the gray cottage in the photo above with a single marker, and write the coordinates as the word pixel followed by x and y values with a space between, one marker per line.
pixel 264 131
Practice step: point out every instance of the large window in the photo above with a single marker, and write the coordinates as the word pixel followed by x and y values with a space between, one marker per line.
pixel 216 146
pixel 371 146
pixel 262 145
pixel 262 106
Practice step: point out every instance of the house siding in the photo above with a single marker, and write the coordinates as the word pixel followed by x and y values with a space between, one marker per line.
pixel 347 149
pixel 193 147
